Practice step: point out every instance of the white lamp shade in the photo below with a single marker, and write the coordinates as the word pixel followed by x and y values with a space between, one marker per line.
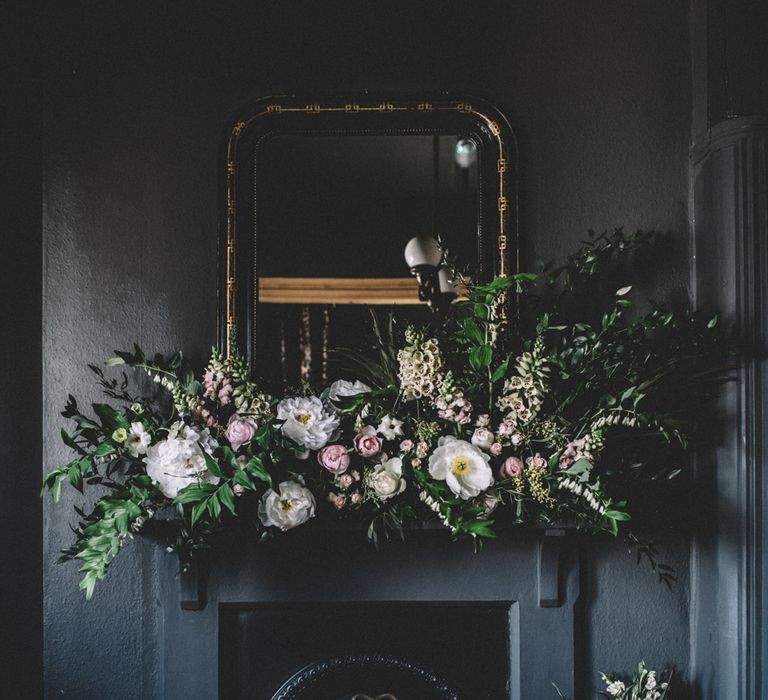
pixel 423 250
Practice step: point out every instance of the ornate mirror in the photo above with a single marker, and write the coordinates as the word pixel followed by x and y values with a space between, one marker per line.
pixel 320 198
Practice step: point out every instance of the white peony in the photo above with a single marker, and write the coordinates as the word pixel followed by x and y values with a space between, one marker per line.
pixel 462 465
pixel 178 461
pixel 342 388
pixel 138 440
pixel 390 427
pixel 306 421
pixel 291 507
pixel 482 438
pixel 386 480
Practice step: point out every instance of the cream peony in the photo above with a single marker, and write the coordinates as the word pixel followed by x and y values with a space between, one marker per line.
pixel 292 506
pixel 386 480
pixel 462 465
pixel 306 421
pixel 138 440
pixel 178 461
pixel 342 388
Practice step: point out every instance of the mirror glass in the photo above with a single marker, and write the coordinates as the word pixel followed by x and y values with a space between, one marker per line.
pixel 333 213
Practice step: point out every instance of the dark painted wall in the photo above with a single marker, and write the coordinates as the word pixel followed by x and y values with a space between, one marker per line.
pixel 20 359
pixel 137 97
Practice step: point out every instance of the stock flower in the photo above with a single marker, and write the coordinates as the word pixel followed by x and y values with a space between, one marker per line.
pixel 386 480
pixel 240 431
pixel 390 427
pixel 343 388
pixel 462 465
pixel 334 458
pixel 307 422
pixel 292 505
pixel 177 462
pixel 367 443
pixel 138 440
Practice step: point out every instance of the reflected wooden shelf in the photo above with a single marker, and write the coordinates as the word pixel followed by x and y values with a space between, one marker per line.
pixel 339 290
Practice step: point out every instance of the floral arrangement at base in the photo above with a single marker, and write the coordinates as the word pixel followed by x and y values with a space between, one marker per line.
pixel 643 685
pixel 470 421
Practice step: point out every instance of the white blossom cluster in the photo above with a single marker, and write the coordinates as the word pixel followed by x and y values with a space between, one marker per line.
pixel 420 371
pixel 616 417
pixel 434 506
pixel 521 400
pixel 643 686
pixel 584 491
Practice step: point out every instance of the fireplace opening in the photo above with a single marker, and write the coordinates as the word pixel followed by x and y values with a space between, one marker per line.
pixel 334 651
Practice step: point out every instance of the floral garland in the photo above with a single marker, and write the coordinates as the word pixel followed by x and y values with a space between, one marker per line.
pixel 458 422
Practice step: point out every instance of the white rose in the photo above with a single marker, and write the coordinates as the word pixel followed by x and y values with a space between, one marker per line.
pixel 177 462
pixel 306 421
pixel 390 427
pixel 482 438
pixel 462 465
pixel 291 507
pixel 138 440
pixel 342 388
pixel 386 479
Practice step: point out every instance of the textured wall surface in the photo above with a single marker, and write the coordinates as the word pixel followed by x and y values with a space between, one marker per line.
pixel 137 101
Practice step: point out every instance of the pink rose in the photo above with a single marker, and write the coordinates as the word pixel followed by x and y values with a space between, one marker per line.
pixel 367 443
pixel 356 498
pixel 345 481
pixel 334 458
pixel 483 421
pixel 513 466
pixel 240 431
pixel 337 500
pixel 406 446
pixel 496 449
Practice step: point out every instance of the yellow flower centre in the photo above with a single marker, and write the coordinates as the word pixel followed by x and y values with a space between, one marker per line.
pixel 303 418
pixel 286 505
pixel 460 465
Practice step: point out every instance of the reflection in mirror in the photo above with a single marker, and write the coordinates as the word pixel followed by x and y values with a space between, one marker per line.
pixel 333 215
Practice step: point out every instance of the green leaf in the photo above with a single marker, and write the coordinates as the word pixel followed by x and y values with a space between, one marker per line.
pixel 56 488
pixel 473 331
pixel 480 357
pixel 255 466
pixel 194 492
pixel 69 441
pixel 197 511
pixel 114 361
pixel 501 370
pixel 624 290
pixel 213 465
pixel 227 497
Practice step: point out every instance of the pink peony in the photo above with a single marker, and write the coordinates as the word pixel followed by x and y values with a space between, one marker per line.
pixel 496 449
pixel 334 458
pixel 367 443
pixel 513 466
pixel 240 431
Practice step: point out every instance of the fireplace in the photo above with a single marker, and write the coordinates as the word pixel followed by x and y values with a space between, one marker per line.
pixel 494 625
pixel 455 648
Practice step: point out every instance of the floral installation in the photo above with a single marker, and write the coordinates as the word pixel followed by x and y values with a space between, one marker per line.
pixel 643 685
pixel 471 421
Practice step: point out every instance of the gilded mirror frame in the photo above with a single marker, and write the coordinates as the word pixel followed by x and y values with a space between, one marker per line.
pixel 498 210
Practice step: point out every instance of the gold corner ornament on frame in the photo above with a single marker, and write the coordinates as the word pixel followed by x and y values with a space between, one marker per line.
pixel 271 109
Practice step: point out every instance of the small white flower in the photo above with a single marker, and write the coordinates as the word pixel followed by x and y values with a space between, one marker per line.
pixel 390 427
pixel 343 388
pixel 482 438
pixel 177 462
pixel 292 505
pixel 386 480
pixel 615 688
pixel 307 422
pixel 462 465
pixel 138 440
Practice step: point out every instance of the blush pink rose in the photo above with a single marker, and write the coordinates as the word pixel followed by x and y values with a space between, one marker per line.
pixel 367 443
pixel 496 449
pixel 334 458
pixel 240 431
pixel 513 466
